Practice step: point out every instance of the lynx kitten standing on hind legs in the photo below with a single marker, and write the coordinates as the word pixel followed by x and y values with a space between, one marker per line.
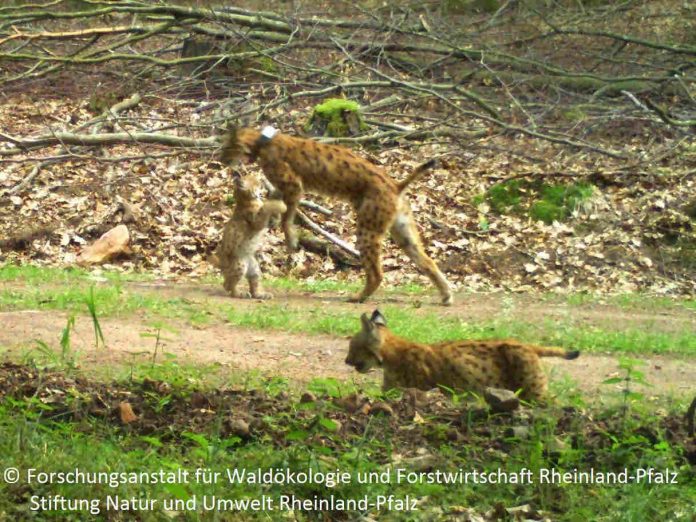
pixel 242 237
pixel 458 365
pixel 294 165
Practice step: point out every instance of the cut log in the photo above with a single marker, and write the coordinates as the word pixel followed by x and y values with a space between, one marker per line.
pixel 113 242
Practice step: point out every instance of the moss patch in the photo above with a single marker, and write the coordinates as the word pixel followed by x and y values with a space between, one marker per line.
pixel 557 202
pixel 547 202
pixel 336 117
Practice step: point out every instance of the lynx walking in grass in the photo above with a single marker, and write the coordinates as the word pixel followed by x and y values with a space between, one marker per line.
pixel 458 365
pixel 294 165
pixel 243 235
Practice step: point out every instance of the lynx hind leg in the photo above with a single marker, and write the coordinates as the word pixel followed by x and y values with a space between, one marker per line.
pixel 253 275
pixel 526 373
pixel 233 273
pixel 405 235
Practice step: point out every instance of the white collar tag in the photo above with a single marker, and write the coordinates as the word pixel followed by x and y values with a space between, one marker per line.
pixel 268 132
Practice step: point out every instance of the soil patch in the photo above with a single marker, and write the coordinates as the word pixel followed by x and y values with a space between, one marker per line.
pixel 276 353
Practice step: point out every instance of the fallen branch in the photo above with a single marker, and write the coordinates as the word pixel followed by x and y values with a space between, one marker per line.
pixel 23 239
pixel 311 225
pixel 664 116
pixel 111 138
pixel 274 194
pixel 311 205
pixel 322 248
pixel 112 112
pixel 29 178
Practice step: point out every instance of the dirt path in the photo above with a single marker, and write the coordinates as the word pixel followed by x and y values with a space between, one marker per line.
pixel 468 307
pixel 303 357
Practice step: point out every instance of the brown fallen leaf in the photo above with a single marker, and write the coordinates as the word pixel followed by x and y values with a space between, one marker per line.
pixel 126 413
pixel 111 243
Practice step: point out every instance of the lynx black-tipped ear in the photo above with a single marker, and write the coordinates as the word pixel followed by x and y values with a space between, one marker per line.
pixel 366 324
pixel 378 318
pixel 229 146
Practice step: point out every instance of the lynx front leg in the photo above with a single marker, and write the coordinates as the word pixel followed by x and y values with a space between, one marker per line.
pixel 524 371
pixel 254 277
pixel 290 185
pixel 270 208
pixel 370 246
pixel 292 200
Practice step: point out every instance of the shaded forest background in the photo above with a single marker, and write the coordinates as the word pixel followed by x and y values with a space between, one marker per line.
pixel 564 129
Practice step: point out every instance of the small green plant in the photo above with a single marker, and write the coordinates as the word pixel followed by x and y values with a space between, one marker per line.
pixel 631 377
pixel 67 359
pixel 158 326
pixel 92 307
pixel 275 385
pixel 66 355
pixel 329 387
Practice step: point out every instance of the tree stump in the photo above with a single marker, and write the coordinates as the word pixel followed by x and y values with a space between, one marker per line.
pixel 336 117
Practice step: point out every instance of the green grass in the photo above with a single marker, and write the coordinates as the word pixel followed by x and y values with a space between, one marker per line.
pixel 631 301
pixel 31 274
pixel 72 291
pixel 28 440
pixel 430 327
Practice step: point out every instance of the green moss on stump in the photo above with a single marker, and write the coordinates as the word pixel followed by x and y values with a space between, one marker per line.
pixel 336 117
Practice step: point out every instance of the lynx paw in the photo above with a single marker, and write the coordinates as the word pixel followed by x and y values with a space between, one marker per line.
pixel 263 295
pixel 291 243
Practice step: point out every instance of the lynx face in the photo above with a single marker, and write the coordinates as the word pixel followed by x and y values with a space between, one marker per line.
pixel 364 349
pixel 239 146
pixel 246 188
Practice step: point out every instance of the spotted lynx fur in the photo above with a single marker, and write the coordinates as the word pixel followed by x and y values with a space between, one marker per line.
pixel 243 235
pixel 295 165
pixel 458 365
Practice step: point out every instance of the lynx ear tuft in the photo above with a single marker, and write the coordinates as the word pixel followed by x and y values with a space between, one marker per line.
pixel 378 318
pixel 366 324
